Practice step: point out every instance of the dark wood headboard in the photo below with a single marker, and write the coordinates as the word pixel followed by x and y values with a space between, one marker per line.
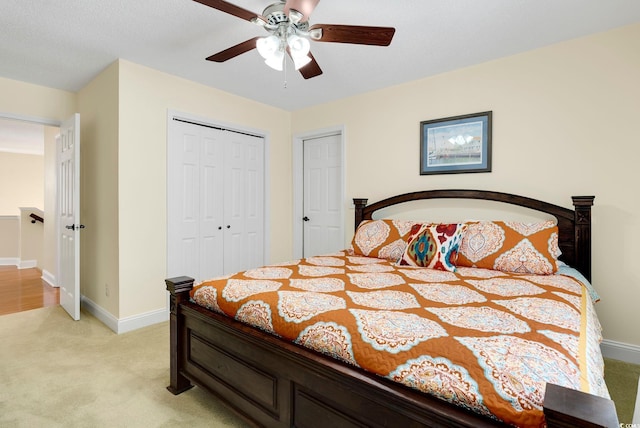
pixel 574 237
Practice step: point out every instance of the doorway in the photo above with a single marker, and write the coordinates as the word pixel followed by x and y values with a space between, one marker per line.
pixel 22 136
pixel 319 192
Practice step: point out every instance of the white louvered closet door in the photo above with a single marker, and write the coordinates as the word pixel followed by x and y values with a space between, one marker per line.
pixel 215 201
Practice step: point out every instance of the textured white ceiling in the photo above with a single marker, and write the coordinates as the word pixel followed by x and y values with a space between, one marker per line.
pixel 65 44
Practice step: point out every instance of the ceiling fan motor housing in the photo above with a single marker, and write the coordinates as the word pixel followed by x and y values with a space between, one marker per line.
pixel 276 18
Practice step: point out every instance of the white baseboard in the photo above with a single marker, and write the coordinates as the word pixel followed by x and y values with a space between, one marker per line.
pixel 27 264
pixel 21 264
pixel 99 312
pixel 49 278
pixel 620 351
pixel 142 320
pixel 124 325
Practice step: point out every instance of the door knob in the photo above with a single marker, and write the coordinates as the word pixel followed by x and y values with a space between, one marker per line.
pixel 305 218
pixel 73 226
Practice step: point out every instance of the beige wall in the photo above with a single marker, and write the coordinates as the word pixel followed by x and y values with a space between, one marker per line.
pixel 565 123
pixel 10 241
pixel 31 236
pixel 98 108
pixel 26 99
pixel 21 182
pixel 146 95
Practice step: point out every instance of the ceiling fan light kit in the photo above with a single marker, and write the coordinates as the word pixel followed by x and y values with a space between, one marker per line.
pixel 270 48
pixel 287 21
pixel 273 47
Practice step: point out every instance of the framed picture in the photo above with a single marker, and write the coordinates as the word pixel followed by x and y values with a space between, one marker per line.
pixel 456 144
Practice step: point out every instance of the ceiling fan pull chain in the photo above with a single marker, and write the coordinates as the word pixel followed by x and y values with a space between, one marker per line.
pixel 284 85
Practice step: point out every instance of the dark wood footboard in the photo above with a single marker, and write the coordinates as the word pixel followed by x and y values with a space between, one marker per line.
pixel 275 383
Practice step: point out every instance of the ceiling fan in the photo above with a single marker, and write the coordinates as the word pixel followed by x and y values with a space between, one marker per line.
pixel 287 22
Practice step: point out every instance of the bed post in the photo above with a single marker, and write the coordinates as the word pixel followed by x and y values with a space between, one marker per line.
pixel 179 288
pixel 360 203
pixel 568 408
pixel 583 233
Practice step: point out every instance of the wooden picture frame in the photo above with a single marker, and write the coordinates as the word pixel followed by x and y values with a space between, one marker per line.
pixel 456 144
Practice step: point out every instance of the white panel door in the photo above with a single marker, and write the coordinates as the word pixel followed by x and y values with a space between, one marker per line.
pixel 194 201
pixel 254 215
pixel 323 229
pixel 215 201
pixel 68 155
pixel 211 205
pixel 183 197
pixel 243 202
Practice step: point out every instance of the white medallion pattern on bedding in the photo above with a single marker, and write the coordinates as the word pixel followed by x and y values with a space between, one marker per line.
pixel 511 246
pixel 381 238
pixel 485 340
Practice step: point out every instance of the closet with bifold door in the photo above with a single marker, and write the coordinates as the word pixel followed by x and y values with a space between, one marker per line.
pixel 215 200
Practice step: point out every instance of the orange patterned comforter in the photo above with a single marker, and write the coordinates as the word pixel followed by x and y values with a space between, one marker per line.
pixel 485 340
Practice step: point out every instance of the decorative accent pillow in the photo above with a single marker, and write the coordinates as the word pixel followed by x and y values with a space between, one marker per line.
pixel 383 239
pixel 434 246
pixel 511 247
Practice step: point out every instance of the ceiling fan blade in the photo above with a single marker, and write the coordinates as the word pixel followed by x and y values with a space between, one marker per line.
pixel 356 34
pixel 232 9
pixel 305 7
pixel 234 51
pixel 310 70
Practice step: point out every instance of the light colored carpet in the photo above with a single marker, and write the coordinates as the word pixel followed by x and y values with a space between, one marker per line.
pixel 55 372
pixel 622 381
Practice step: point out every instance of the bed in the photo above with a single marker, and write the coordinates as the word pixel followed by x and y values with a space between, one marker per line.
pixel 270 379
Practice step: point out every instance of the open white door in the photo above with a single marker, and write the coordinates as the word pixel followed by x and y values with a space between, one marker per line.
pixel 68 155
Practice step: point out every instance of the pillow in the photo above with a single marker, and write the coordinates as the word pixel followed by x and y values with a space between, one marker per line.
pixel 434 246
pixel 511 247
pixel 384 239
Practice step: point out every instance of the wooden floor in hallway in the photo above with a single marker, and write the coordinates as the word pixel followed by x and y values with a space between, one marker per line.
pixel 24 289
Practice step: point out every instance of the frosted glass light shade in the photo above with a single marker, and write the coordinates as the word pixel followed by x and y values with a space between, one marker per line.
pixel 267 46
pixel 298 46
pixel 276 61
pixel 271 50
